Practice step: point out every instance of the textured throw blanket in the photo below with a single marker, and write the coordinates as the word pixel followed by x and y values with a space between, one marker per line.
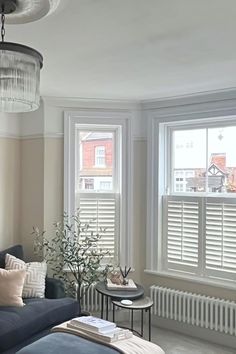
pixel 134 345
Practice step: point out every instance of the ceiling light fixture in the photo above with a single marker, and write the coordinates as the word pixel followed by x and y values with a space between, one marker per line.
pixel 19 71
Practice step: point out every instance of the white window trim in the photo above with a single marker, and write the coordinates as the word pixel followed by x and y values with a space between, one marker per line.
pixel 156 184
pixel 194 279
pixel 103 118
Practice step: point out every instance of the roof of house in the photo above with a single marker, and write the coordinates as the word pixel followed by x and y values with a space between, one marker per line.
pixel 98 136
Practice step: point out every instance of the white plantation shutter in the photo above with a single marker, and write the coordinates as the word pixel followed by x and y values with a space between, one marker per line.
pixel 221 237
pixel 101 211
pixel 181 233
pixel 199 235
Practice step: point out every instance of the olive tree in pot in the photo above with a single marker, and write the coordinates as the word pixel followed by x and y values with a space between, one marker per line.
pixel 73 254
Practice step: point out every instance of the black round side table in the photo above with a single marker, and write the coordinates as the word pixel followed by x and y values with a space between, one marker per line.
pixel 117 295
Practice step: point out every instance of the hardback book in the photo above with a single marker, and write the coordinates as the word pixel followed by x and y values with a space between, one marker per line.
pixel 112 336
pixel 93 324
pixel 130 286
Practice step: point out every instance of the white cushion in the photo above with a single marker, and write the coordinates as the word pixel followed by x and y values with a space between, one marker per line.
pixel 34 285
pixel 11 282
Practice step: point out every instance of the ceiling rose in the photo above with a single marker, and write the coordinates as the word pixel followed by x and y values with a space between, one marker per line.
pixel 31 10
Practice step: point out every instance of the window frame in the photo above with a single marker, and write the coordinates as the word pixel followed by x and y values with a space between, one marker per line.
pixel 159 159
pixel 103 119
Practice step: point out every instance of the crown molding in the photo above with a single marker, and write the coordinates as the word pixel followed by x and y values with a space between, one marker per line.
pixel 205 97
pixel 78 103
pixel 47 122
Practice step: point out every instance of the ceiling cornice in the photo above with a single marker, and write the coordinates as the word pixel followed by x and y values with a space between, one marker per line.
pixel 190 99
pixel 47 122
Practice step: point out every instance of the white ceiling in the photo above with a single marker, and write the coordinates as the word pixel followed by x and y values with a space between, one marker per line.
pixel 134 49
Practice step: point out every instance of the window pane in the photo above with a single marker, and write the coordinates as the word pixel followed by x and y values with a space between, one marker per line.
pixel 221 160
pixel 95 161
pixel 100 157
pixel 189 160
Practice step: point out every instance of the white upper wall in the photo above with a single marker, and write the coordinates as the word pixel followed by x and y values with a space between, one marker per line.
pixel 48 120
pixel 10 125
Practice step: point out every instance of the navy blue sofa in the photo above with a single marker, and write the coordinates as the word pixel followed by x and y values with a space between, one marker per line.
pixel 20 326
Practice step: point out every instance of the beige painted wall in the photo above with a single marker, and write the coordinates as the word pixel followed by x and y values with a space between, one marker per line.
pixel 41 187
pixel 32 191
pixel 9 192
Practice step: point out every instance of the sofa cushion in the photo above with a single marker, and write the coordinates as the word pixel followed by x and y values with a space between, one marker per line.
pixel 12 282
pixel 16 251
pixel 61 343
pixel 20 323
pixel 34 285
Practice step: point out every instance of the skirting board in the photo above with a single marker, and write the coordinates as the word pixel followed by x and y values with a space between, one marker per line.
pixel 193 331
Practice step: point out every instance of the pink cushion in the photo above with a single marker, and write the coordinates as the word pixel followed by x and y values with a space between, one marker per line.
pixel 11 286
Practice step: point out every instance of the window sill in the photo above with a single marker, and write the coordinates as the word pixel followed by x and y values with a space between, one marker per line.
pixel 230 285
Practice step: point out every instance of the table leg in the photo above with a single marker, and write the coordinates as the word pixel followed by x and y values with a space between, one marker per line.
pixel 132 320
pixel 102 300
pixel 142 323
pixel 113 312
pixel 149 315
pixel 107 307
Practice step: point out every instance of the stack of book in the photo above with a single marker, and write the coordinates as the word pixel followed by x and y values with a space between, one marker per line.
pixel 99 329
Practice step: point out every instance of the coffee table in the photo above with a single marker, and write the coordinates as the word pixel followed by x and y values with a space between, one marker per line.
pixel 117 295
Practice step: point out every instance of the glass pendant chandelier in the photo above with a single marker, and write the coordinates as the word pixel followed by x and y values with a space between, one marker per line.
pixel 19 71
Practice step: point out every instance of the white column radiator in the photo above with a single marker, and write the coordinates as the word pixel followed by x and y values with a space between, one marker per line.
pixel 198 310
pixel 91 301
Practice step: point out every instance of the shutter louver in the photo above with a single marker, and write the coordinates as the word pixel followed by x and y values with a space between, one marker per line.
pixel 182 233
pixel 101 212
pixel 221 237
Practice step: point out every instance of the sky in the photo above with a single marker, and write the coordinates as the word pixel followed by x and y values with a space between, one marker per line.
pixel 190 146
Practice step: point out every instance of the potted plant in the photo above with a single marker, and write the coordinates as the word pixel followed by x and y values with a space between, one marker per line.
pixel 73 254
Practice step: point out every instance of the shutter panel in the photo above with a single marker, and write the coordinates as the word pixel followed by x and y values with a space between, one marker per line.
pixel 221 237
pixel 182 233
pixel 101 212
